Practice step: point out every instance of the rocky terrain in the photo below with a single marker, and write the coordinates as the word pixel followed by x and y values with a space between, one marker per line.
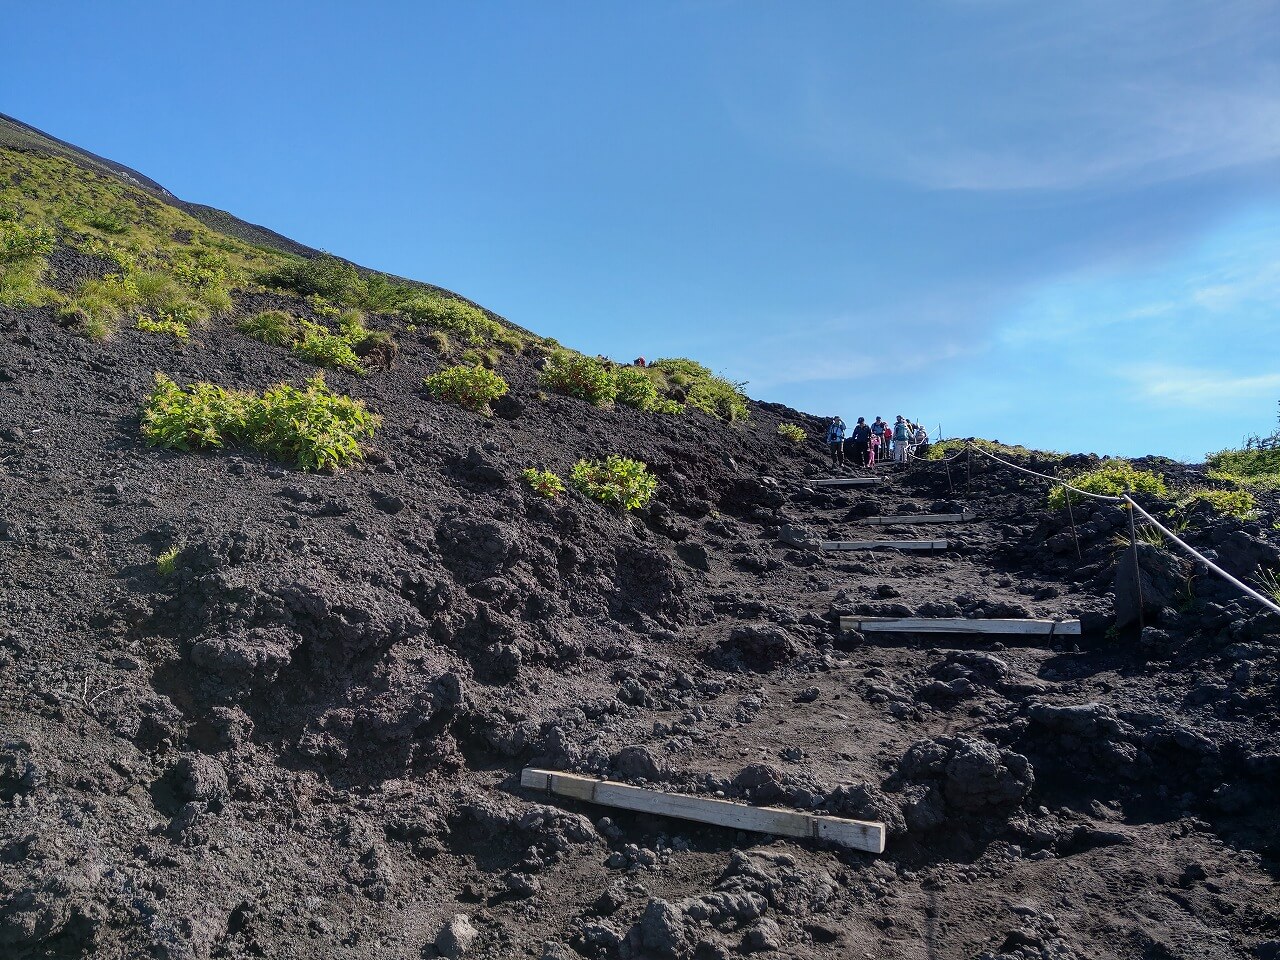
pixel 306 740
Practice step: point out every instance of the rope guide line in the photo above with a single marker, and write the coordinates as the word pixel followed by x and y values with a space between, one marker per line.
pixel 1131 505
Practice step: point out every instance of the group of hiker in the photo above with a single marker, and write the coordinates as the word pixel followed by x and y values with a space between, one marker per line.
pixel 867 443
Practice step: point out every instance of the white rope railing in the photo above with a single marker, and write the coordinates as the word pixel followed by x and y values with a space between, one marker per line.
pixel 1131 504
pixel 1262 599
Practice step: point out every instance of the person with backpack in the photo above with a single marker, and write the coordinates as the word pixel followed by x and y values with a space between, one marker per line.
pixel 835 441
pixel 901 439
pixel 861 441
pixel 919 440
pixel 886 439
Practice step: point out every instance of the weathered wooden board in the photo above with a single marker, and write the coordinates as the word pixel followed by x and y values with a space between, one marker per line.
pixel 864 835
pixel 848 482
pixel 884 545
pixel 891 521
pixel 1051 628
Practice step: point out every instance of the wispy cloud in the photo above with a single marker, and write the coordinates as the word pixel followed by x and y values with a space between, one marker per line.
pixel 1017 97
pixel 1188 386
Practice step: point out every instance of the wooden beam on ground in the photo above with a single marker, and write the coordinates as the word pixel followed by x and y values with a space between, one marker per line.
pixel 864 835
pixel 883 545
pixel 848 482
pixel 892 521
pixel 1048 628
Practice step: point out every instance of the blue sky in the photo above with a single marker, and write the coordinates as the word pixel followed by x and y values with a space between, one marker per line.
pixel 1054 224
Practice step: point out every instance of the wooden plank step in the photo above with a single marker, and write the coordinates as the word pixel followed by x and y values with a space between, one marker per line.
pixel 1049 628
pixel 883 545
pixel 848 482
pixel 864 835
pixel 892 521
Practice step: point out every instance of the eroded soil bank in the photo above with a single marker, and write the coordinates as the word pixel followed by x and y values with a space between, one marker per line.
pixel 306 741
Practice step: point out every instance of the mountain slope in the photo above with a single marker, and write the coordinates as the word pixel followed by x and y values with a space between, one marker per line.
pixel 17 135
pixel 255 711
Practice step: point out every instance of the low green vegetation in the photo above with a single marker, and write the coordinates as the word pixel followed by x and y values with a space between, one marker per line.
pixel 1112 479
pixel 472 387
pixel 172 327
pixel 1257 468
pixel 792 432
pixel 689 381
pixel 337 282
pixel 577 375
pixel 273 327
pixel 1233 503
pixel 944 449
pixel 167 562
pixel 544 483
pixel 348 348
pixel 153 264
pixel 326 349
pixel 24 250
pixel 311 428
pixel 615 481
pixel 1269 584
pixel 667 386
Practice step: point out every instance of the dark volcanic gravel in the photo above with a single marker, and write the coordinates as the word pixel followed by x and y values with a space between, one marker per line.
pixel 306 741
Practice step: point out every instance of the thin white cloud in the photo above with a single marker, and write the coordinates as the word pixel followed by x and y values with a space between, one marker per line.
pixel 1035 97
pixel 1189 386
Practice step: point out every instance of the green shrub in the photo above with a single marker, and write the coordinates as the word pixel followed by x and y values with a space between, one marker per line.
pixel 544 483
pixel 108 221
pixel 324 276
pixel 615 481
pixel 682 372
pixel 943 449
pixel 379 295
pixel 473 387
pixel 171 327
pixel 790 431
pixel 702 389
pixel 484 358
pixel 579 376
pixel 1258 469
pixel 635 388
pixel 325 349
pixel 20 241
pixel 469 322
pixel 1111 479
pixel 720 398
pixel 311 428
pixel 202 416
pixel 1234 503
pixel 274 327
pixel 21 283
pixel 167 562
